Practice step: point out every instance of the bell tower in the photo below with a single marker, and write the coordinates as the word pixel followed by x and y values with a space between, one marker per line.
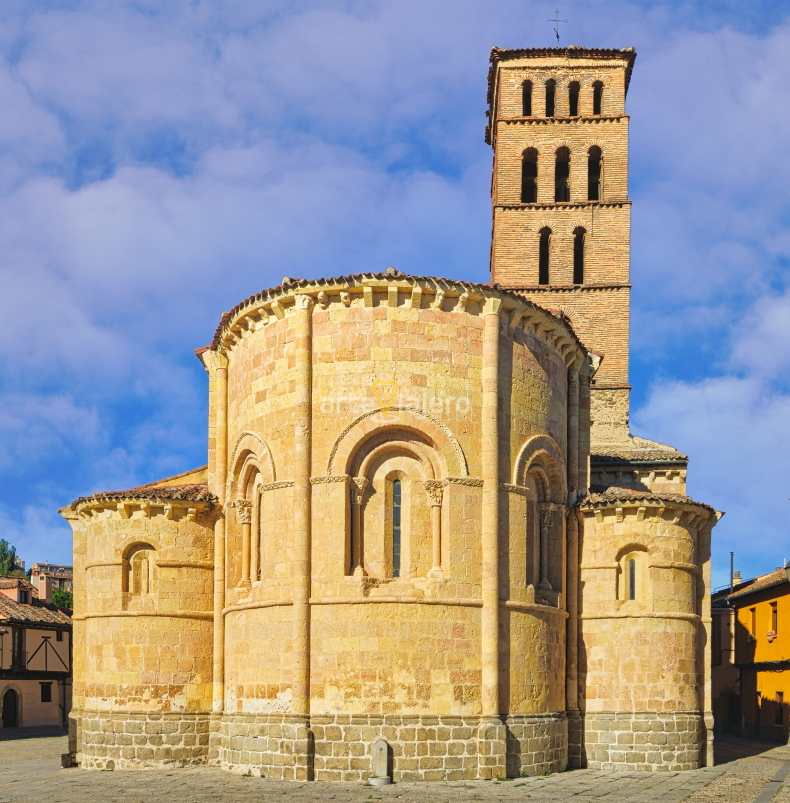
pixel 561 213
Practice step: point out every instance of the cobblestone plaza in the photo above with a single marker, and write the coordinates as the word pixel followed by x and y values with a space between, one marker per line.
pixel 30 771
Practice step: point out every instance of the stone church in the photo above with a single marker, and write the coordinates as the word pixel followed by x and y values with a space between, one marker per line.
pixel 424 519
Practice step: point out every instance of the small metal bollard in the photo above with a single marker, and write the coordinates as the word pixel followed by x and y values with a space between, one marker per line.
pixel 381 776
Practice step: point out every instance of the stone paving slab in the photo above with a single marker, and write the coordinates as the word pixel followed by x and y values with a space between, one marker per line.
pixel 30 772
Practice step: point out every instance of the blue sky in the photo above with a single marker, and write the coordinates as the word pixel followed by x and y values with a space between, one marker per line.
pixel 160 161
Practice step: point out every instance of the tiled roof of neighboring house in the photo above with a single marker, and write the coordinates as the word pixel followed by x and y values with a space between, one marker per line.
pixel 17 582
pixel 22 612
pixel 189 493
pixel 356 277
pixel 604 495
pixel 639 456
pixel 766 581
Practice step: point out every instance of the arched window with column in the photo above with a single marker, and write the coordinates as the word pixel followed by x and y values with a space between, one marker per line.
pixel 597 97
pixel 551 91
pixel 139 570
pixel 396 499
pixel 562 175
pixel 594 174
pixel 544 255
pixel 529 176
pixel 632 574
pixel 526 99
pixel 579 240
pixel 573 99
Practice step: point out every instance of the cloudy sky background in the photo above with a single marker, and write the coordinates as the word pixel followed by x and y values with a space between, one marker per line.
pixel 160 161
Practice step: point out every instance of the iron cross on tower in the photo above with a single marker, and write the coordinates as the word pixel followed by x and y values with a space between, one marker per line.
pixel 557 22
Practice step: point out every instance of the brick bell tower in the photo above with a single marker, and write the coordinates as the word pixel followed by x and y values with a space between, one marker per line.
pixel 561 213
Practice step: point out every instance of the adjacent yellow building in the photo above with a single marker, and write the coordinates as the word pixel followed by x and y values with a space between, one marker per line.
pixel 762 654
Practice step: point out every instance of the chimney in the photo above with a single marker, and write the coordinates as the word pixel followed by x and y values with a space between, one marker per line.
pixel 736 578
pixel 44 588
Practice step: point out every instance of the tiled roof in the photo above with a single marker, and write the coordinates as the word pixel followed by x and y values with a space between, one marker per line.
pixel 17 582
pixel 600 495
pixel 639 456
pixel 766 581
pixel 42 612
pixel 190 493
pixel 357 277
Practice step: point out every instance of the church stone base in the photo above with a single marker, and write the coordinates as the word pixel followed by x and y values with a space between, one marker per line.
pixel 422 748
pixel 646 741
pixel 276 746
pixel 338 748
pixel 113 741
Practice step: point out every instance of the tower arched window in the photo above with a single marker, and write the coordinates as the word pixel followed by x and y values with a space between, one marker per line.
pixel 551 90
pixel 579 236
pixel 594 174
pixel 544 253
pixel 529 177
pixel 526 99
pixel 573 99
pixel 597 97
pixel 632 578
pixel 562 176
pixel 396 527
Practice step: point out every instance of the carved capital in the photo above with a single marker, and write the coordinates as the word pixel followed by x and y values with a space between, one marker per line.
pixel 243 511
pixel 546 512
pixel 435 489
pixel 573 383
pixel 358 486
pixel 304 301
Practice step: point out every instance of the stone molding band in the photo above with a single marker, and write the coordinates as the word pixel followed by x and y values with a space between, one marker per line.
pixel 166 614
pixel 689 617
pixel 249 606
pixel 453 602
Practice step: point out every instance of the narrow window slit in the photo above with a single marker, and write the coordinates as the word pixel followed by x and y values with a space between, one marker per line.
pixel 551 89
pixel 597 97
pixel 543 256
pixel 573 99
pixel 526 99
pixel 396 522
pixel 529 177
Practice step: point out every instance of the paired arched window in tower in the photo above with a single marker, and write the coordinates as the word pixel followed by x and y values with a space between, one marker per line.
pixel 597 97
pixel 526 99
pixel 573 99
pixel 579 236
pixel 529 177
pixel 594 174
pixel 544 254
pixel 562 176
pixel 551 90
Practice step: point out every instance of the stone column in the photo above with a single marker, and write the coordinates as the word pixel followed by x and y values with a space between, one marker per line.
pixel 572 644
pixel 221 472
pixel 546 513
pixel 302 345
pixel 491 735
pixel 244 515
pixel 357 487
pixel 435 489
